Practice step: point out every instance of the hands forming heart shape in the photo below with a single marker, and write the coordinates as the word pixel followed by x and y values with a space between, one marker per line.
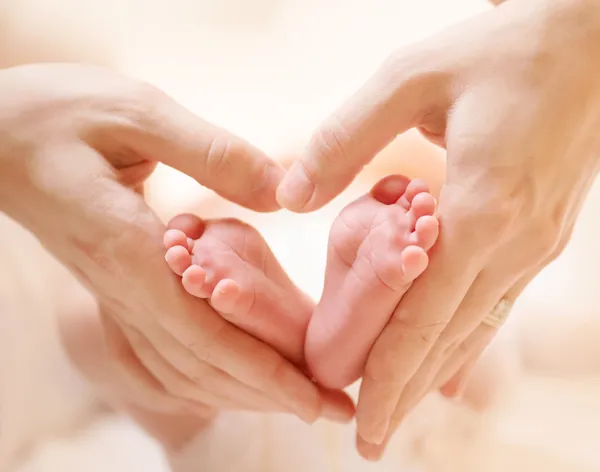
pixel 513 97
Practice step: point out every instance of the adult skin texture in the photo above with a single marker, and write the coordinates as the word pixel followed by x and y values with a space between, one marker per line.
pixel 514 97
pixel 76 144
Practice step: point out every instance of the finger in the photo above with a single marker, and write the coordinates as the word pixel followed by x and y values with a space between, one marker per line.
pixel 142 387
pixel 391 102
pixel 456 385
pixel 337 406
pixel 214 387
pixel 467 356
pixel 453 381
pixel 413 329
pixel 165 131
pixel 218 343
pixel 474 224
pixel 485 293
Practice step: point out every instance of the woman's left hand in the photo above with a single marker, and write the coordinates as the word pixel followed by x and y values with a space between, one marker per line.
pixel 514 97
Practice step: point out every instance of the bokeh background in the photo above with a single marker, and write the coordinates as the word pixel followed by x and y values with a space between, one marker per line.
pixel 271 70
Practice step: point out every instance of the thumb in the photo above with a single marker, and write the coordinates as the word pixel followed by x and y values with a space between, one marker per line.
pixel 214 157
pixel 391 102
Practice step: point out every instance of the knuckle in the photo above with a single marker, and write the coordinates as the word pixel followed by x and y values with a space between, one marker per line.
pixel 141 105
pixel 396 67
pixel 483 219
pixel 549 240
pixel 218 161
pixel 330 144
pixel 145 92
pixel 426 333
pixel 452 346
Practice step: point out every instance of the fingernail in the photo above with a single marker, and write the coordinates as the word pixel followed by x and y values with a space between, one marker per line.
pixel 370 452
pixel 377 434
pixel 303 399
pixel 296 189
pixel 337 413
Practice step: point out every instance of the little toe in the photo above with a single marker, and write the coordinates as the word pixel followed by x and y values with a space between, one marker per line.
pixel 178 259
pixel 414 188
pixel 228 298
pixel 414 262
pixel 422 204
pixel 194 282
pixel 389 189
pixel 191 225
pixel 174 237
pixel 426 232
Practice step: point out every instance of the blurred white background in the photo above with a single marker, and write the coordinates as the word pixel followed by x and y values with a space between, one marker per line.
pixel 270 70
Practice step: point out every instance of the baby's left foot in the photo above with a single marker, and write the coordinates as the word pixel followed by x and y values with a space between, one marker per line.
pixel 229 263
pixel 377 247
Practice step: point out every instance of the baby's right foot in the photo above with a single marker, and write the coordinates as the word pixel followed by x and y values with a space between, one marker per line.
pixel 377 247
pixel 229 263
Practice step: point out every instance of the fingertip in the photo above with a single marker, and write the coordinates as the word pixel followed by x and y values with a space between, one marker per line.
pixel 296 189
pixel 337 406
pixel 266 194
pixel 369 451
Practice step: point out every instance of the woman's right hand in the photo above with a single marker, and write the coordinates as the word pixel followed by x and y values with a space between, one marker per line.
pixel 76 144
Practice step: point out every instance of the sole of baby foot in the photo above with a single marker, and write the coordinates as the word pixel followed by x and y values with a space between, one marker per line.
pixel 232 267
pixel 378 247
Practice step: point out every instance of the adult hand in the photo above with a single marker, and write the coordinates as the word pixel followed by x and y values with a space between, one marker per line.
pixel 75 144
pixel 514 96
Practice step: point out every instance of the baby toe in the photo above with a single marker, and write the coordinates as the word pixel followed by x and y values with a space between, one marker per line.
pixel 414 188
pixel 422 204
pixel 194 282
pixel 178 259
pixel 414 262
pixel 426 232
pixel 174 237
pixel 233 301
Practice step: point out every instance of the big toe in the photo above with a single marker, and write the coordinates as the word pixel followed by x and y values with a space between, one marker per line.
pixel 190 225
pixel 389 189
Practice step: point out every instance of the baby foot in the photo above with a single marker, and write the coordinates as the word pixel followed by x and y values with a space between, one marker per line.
pixel 377 247
pixel 229 263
